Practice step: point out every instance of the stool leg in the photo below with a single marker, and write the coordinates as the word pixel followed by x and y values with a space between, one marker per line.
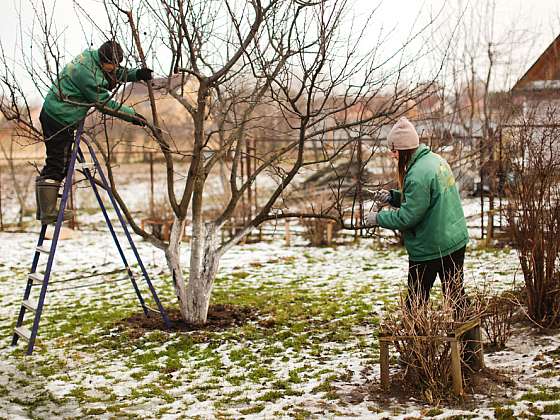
pixel 456 374
pixel 384 363
pixel 478 348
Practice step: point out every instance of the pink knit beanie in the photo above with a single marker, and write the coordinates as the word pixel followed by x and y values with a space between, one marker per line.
pixel 403 136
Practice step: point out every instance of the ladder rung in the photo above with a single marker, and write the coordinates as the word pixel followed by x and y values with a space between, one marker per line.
pixel 23 333
pixel 86 165
pixel 44 249
pixel 156 311
pixel 36 277
pixel 32 306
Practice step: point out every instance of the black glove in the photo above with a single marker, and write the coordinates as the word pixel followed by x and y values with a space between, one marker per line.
pixel 139 119
pixel 144 74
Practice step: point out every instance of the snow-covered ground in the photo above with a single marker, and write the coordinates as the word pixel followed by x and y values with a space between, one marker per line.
pixel 310 350
pixel 312 343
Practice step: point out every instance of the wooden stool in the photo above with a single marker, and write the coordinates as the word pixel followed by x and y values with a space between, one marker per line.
pixel 453 337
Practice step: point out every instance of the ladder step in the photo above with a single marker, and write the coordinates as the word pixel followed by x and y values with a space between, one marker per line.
pixel 44 249
pixel 85 165
pixel 36 277
pixel 29 304
pixel 156 311
pixel 23 332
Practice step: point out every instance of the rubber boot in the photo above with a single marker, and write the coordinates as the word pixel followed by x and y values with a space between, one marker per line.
pixel 47 197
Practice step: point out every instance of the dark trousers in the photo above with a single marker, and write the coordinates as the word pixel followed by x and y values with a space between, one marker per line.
pixel 58 141
pixel 422 275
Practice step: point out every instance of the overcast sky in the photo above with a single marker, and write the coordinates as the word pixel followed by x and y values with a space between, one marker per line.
pixel 537 20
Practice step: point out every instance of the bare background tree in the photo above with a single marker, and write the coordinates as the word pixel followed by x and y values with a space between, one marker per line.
pixel 480 68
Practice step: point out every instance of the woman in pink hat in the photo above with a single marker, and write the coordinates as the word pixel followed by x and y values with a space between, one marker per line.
pixel 428 212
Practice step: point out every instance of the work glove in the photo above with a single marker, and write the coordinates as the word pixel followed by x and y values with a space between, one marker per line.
pixel 144 74
pixel 139 119
pixel 371 219
pixel 382 196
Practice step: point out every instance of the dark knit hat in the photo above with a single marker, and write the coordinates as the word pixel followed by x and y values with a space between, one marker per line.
pixel 111 52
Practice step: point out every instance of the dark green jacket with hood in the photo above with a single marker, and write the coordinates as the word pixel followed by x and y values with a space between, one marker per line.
pixel 430 215
pixel 83 84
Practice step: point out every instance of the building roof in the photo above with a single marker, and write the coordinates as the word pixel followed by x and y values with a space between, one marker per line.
pixel 545 72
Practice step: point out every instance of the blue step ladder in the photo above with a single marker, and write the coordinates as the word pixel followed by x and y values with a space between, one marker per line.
pixel 37 279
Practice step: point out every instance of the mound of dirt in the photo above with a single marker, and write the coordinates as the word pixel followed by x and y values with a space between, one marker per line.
pixel 220 317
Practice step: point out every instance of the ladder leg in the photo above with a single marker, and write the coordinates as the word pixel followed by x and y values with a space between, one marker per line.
pixel 87 172
pixel 56 234
pixel 27 292
pixel 128 236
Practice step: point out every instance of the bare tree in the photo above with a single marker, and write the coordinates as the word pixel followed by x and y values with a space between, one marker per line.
pixel 241 65
pixel 479 71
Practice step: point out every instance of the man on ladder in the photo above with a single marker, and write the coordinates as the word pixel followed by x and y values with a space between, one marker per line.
pixel 85 82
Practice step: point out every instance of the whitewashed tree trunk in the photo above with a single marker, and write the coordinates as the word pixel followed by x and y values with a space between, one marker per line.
pixel 205 261
pixel 173 257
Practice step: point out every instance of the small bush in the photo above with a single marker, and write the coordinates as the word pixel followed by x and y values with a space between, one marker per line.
pixel 533 211
pixel 498 315
pixel 426 358
pixel 315 231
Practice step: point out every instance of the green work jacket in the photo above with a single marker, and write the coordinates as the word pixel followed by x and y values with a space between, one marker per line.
pixel 81 85
pixel 430 215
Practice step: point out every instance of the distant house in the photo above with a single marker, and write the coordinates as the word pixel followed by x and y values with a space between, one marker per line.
pixel 539 88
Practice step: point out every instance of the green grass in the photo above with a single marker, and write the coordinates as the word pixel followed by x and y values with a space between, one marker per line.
pixel 432 412
pixel 502 413
pixel 551 409
pixel 271 396
pixel 544 394
pixel 252 410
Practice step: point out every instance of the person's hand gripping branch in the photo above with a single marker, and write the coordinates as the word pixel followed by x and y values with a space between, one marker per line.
pixel 382 197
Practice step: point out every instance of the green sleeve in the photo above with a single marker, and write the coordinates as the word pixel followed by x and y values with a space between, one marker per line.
pixel 99 97
pixel 411 211
pixel 395 200
pixel 126 75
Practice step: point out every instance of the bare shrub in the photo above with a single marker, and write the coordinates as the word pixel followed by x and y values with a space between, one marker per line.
pixel 159 223
pixel 498 316
pixel 420 334
pixel 316 231
pixel 533 211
